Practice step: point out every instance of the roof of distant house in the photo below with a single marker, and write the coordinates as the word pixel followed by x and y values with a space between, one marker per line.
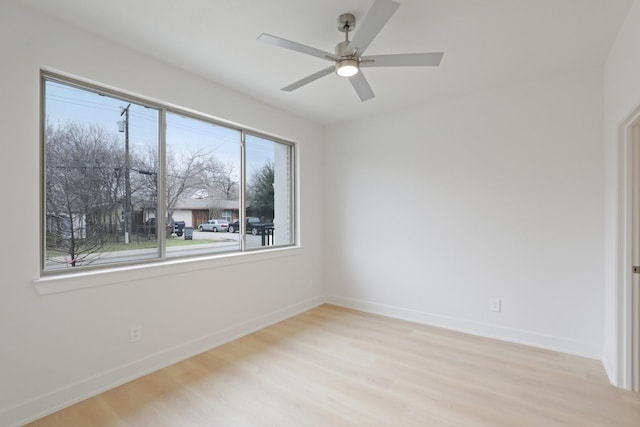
pixel 206 203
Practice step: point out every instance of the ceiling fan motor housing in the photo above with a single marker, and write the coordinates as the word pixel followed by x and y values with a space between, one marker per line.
pixel 341 48
pixel 346 22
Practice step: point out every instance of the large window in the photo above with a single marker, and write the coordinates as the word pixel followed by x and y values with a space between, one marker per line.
pixel 127 181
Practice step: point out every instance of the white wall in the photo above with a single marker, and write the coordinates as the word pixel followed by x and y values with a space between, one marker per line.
pixel 622 97
pixel 61 347
pixel 435 210
pixel 430 212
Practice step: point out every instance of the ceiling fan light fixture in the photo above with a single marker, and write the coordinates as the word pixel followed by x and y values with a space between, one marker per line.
pixel 347 67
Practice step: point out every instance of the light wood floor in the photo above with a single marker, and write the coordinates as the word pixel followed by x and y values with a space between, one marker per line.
pixel 336 367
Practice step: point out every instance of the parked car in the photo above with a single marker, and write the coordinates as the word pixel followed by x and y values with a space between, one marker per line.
pixel 172 226
pixel 254 226
pixel 214 225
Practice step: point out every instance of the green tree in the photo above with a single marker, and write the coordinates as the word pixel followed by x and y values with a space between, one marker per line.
pixel 261 191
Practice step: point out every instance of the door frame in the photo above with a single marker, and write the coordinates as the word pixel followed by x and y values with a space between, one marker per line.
pixel 627 301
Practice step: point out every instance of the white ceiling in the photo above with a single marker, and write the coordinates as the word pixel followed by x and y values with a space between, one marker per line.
pixel 487 43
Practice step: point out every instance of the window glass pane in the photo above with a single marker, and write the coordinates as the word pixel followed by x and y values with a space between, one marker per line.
pixel 268 197
pixel 100 176
pixel 203 186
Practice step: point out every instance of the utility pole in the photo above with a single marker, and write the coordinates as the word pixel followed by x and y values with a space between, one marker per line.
pixel 124 127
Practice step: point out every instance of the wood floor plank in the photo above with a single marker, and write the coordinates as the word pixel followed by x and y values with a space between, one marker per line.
pixel 333 366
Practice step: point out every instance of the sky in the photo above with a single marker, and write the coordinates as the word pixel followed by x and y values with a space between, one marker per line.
pixel 66 103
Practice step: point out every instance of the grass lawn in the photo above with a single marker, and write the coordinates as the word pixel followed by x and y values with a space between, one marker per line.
pixel 140 244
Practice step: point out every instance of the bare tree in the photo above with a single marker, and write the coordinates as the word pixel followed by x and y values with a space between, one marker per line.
pixel 220 181
pixel 83 171
pixel 186 175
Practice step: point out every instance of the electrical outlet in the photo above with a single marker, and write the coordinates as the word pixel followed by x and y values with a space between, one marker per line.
pixel 494 304
pixel 135 333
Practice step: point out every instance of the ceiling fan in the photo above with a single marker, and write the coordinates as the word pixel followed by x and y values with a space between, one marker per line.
pixel 348 59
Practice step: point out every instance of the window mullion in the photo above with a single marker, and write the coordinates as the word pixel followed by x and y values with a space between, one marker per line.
pixel 161 208
pixel 243 180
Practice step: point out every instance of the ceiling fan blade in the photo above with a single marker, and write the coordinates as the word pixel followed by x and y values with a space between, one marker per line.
pixel 309 79
pixel 403 60
pixel 377 16
pixel 361 85
pixel 288 44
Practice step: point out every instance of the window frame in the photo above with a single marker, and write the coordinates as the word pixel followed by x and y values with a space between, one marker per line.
pixel 163 108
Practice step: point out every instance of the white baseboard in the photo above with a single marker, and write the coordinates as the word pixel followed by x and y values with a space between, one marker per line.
pixel 519 336
pixel 68 395
pixel 612 373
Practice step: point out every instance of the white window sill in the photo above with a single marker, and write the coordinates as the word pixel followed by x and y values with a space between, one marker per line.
pixel 53 284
